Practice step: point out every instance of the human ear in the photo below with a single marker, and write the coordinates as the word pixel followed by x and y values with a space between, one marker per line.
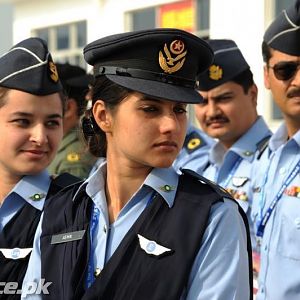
pixel 102 116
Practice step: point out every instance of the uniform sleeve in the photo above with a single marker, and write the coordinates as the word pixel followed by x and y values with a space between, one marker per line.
pixel 221 268
pixel 32 281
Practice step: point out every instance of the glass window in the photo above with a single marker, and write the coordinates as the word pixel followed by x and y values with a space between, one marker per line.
pixel 66 41
pixel 81 34
pixel 63 36
pixel 43 34
pixel 143 19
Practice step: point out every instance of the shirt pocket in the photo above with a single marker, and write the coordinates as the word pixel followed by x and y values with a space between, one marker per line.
pixel 288 243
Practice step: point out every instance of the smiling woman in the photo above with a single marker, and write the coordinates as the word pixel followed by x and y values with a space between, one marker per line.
pixel 33 126
pixel 31 111
pixel 138 229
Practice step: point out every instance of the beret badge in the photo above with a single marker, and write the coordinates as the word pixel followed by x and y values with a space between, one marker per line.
pixel 53 71
pixel 171 60
pixel 215 72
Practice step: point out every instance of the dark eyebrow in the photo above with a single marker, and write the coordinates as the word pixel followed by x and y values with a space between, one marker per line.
pixel 221 96
pixel 28 115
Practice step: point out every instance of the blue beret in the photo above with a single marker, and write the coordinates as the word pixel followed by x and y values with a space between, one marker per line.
pixel 28 67
pixel 284 32
pixel 160 62
pixel 228 63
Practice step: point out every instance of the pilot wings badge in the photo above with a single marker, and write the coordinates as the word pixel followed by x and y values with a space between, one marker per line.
pixel 171 64
pixel 152 247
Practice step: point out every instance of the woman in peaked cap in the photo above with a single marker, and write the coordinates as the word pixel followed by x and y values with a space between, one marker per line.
pixel 136 229
pixel 31 110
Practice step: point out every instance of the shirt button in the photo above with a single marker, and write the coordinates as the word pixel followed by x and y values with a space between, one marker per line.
pixel 282 171
pixel 104 228
pixel 297 223
pixel 266 247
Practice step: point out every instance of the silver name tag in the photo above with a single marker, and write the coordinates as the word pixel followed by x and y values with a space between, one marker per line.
pixel 67 237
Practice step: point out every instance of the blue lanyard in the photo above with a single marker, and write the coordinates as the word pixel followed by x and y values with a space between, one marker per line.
pixel 94 223
pixel 265 219
pixel 232 172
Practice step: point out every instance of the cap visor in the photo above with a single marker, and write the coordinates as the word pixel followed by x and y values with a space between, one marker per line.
pixel 158 89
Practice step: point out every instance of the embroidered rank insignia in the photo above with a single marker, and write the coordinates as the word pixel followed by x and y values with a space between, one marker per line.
pixel 37 197
pixel 193 141
pixel 215 72
pixel 167 188
pixel 293 191
pixel 239 181
pixel 171 64
pixel 53 71
pixel 73 157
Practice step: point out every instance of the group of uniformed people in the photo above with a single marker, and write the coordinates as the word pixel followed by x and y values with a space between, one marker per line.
pixel 150 207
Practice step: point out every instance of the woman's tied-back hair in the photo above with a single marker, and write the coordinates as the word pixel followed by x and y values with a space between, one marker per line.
pixel 112 94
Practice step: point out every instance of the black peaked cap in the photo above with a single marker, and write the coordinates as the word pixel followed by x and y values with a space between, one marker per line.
pixel 160 62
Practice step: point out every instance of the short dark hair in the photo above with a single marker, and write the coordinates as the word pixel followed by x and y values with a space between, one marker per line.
pixel 244 79
pixel 112 94
pixel 266 52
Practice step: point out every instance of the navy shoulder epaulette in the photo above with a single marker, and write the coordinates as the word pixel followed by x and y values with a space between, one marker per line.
pixel 217 188
pixel 61 181
pixel 193 141
pixel 262 145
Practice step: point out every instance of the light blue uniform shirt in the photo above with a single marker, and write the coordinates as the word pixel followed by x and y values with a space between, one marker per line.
pixel 194 153
pixel 279 276
pixel 22 193
pixel 232 168
pixel 220 270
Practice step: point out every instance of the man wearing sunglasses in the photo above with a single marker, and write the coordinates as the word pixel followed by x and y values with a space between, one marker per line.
pixel 276 179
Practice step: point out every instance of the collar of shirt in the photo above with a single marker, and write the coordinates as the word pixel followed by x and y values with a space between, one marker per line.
pixel 163 181
pixel 280 137
pixel 32 185
pixel 245 146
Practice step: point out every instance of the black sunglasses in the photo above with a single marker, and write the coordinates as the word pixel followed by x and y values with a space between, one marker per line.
pixel 285 70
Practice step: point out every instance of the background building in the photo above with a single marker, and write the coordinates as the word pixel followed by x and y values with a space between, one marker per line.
pixel 6 23
pixel 70 24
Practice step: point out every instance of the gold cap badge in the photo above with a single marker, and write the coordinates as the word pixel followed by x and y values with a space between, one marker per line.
pixel 215 72
pixel 73 157
pixel 169 63
pixel 53 71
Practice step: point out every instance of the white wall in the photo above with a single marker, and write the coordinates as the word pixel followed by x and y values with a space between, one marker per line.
pixel 242 21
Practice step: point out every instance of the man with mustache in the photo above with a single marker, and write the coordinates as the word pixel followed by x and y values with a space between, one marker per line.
pixel 229 115
pixel 276 185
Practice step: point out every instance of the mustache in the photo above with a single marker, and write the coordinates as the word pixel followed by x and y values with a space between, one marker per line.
pixel 214 119
pixel 294 92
